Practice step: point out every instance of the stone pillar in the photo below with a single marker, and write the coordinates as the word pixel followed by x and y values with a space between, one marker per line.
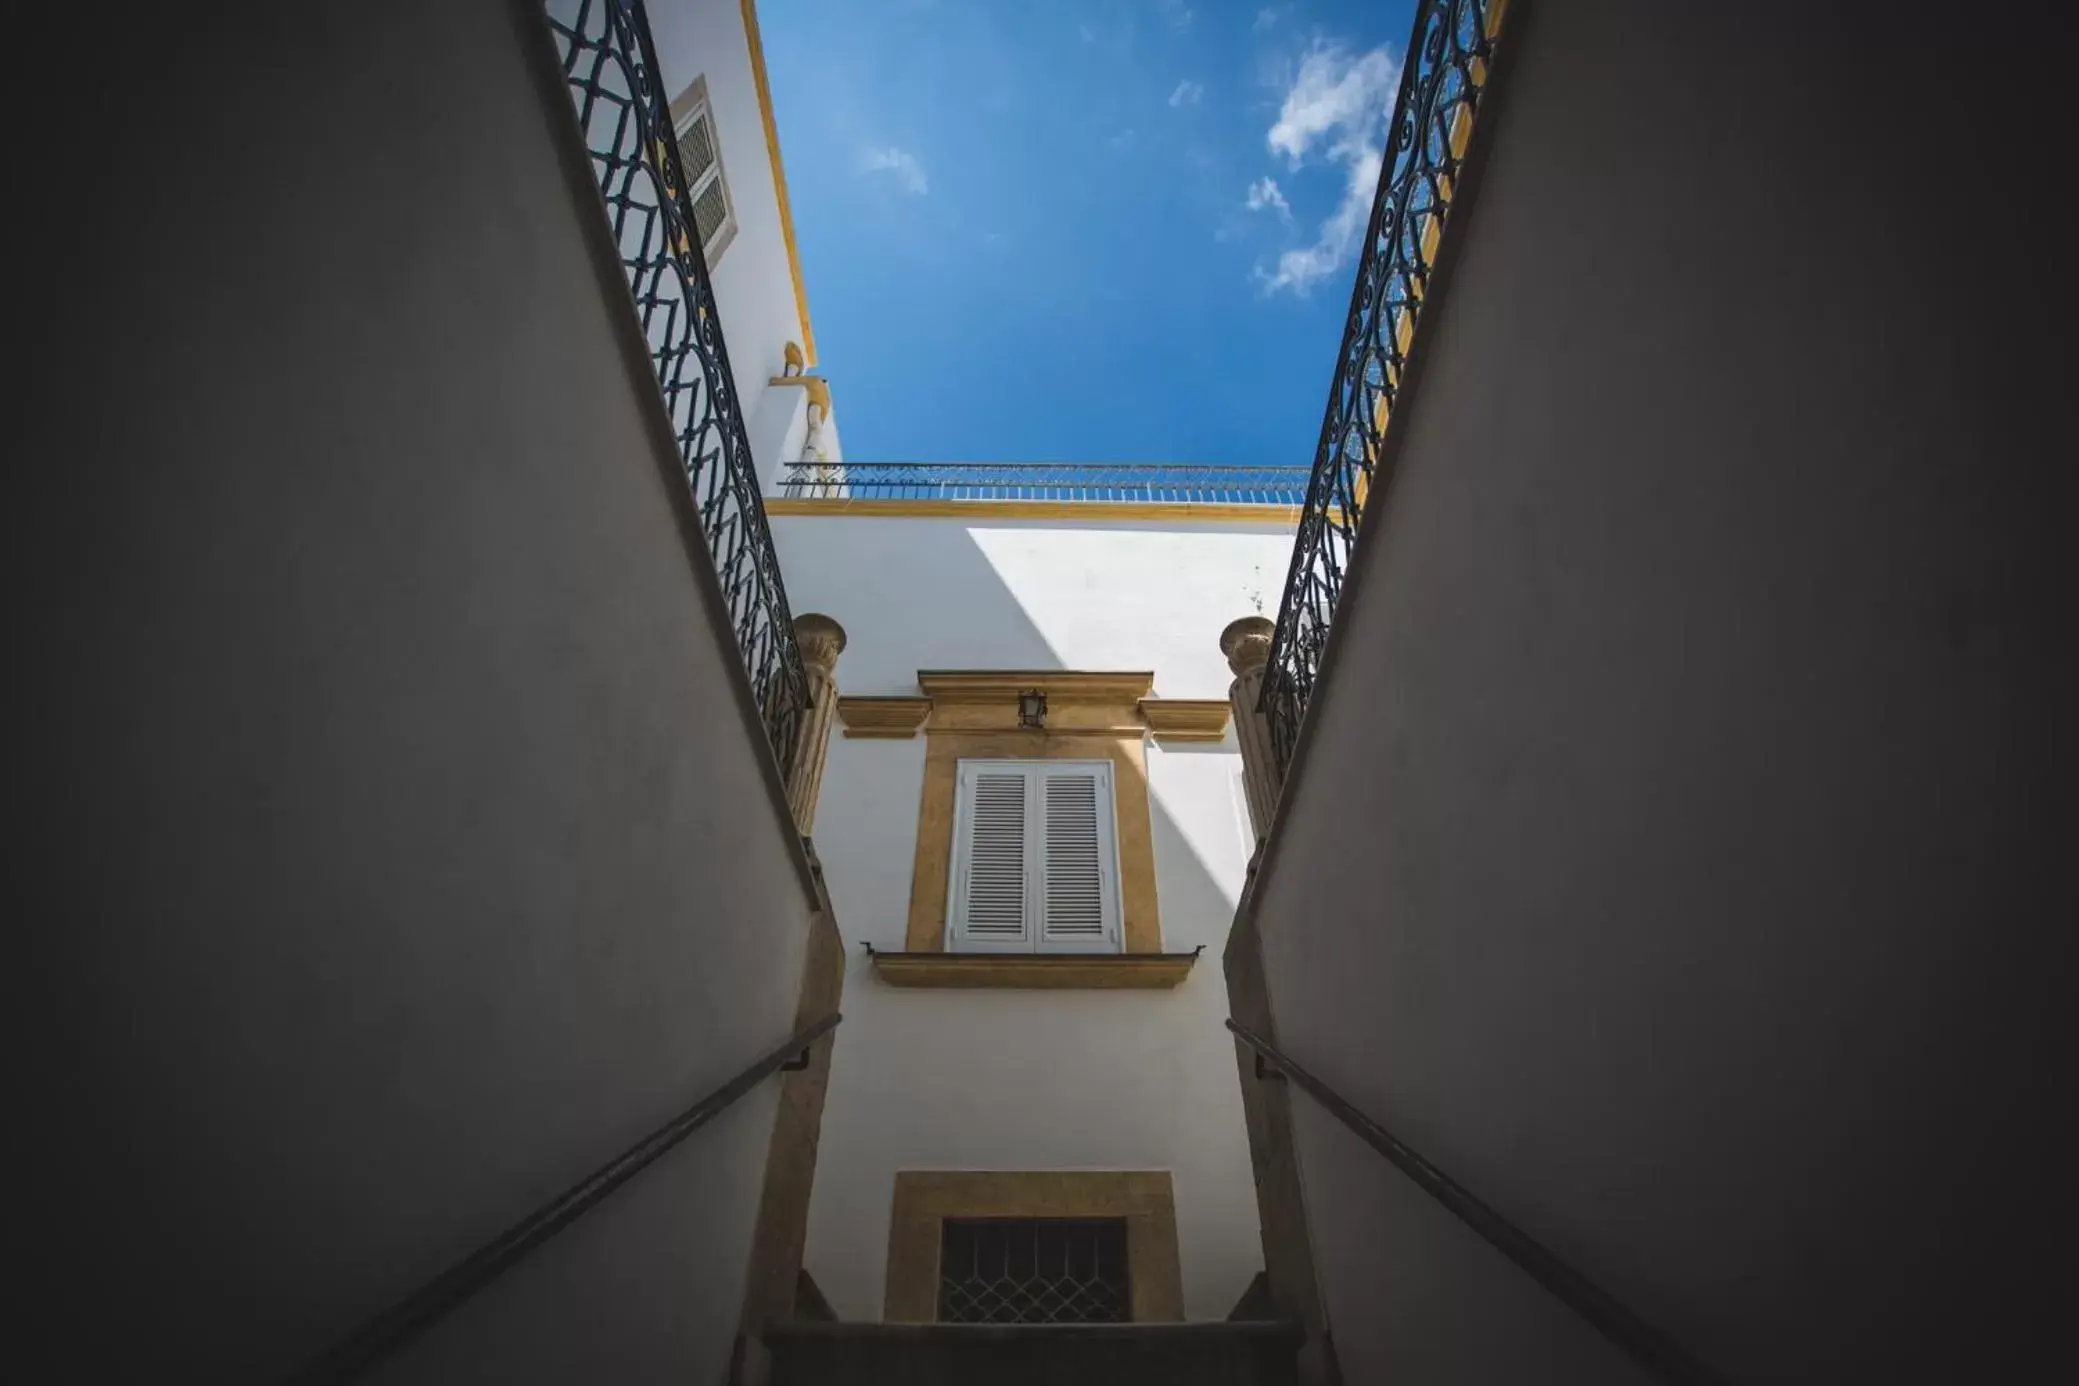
pixel 773 1282
pixel 1246 643
pixel 1281 1209
pixel 821 640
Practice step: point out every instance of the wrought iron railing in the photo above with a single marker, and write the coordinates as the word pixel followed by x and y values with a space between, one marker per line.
pixel 1442 76
pixel 1152 483
pixel 624 112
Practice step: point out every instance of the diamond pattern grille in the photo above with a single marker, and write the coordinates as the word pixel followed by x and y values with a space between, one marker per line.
pixel 1033 1270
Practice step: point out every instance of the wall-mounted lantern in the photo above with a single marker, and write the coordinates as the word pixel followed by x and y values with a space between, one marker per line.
pixel 1032 709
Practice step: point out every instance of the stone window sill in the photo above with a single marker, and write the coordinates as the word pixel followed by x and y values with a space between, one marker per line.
pixel 1036 971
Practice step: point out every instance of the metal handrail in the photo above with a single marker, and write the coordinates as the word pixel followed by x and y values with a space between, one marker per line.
pixel 1448 60
pixel 1130 483
pixel 401 1322
pixel 1608 1315
pixel 624 115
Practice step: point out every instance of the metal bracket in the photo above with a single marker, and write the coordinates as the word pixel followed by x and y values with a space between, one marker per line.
pixel 1265 1072
pixel 796 1065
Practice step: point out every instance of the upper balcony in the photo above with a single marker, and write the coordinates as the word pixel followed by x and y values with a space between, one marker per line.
pixel 1041 489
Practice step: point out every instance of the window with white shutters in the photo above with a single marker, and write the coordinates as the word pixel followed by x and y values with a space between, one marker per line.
pixel 700 155
pixel 1035 858
pixel 993 888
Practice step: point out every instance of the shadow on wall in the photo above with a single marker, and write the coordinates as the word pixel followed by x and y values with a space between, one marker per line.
pixel 911 594
pixel 924 594
pixel 1008 594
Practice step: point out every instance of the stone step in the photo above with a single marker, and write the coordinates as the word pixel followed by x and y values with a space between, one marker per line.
pixel 1125 1354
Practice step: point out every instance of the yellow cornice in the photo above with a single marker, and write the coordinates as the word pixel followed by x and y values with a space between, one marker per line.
pixel 1186 719
pixel 1286 516
pixel 1060 685
pixel 889 718
pixel 1083 703
pixel 779 174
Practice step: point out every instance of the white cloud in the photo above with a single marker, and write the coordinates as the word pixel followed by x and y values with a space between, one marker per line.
pixel 1186 94
pixel 1122 141
pixel 899 162
pixel 1299 270
pixel 1335 97
pixel 1335 111
pixel 1264 193
pixel 1267 17
pixel 1178 13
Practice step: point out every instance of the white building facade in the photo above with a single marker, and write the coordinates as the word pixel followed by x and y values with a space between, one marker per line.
pixel 992 1057
pixel 713 66
pixel 1032 819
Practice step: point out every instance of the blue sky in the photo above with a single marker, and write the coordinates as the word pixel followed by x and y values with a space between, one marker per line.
pixel 1080 230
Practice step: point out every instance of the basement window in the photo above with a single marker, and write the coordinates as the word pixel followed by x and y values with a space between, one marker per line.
pixel 1033 1270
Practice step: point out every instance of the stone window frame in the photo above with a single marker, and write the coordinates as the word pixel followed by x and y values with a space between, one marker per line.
pixel 924 1199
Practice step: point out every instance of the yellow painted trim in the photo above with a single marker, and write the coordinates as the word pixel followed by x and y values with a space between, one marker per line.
pixel 974 716
pixel 1036 971
pixel 1286 516
pixel 1186 719
pixel 1001 687
pixel 779 173
pixel 818 388
pixel 897 718
pixel 931 870
pixel 924 1199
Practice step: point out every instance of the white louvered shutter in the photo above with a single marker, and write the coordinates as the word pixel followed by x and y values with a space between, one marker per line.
pixel 990 877
pixel 703 169
pixel 1077 895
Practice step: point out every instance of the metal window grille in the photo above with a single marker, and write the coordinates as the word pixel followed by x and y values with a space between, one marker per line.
pixel 1033 1270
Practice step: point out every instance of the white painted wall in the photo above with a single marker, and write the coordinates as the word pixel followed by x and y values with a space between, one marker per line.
pixel 1004 594
pixel 754 284
pixel 1680 850
pixel 401 850
pixel 1031 1080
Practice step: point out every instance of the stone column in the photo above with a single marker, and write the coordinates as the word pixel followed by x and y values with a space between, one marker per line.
pixel 1246 643
pixel 821 640
pixel 773 1283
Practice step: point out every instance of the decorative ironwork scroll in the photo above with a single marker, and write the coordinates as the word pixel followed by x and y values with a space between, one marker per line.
pixel 1442 77
pixel 624 113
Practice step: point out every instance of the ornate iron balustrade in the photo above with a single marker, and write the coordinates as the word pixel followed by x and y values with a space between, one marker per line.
pixel 1442 76
pixel 1151 484
pixel 624 113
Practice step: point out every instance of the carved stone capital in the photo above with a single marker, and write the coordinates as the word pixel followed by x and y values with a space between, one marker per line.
pixel 1246 643
pixel 821 639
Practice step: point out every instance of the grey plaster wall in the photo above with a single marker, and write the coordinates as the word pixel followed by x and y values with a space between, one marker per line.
pixel 1681 847
pixel 399 851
